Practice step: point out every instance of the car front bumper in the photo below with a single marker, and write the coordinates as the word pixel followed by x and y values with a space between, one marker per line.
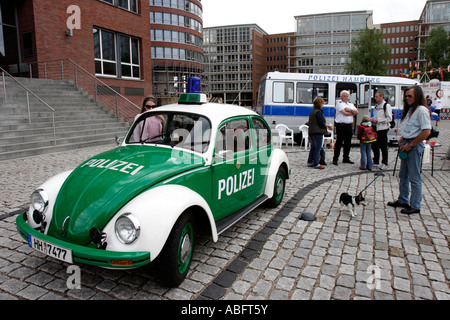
pixel 87 255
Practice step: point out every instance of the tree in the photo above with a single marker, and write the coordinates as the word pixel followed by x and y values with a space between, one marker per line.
pixel 436 51
pixel 368 54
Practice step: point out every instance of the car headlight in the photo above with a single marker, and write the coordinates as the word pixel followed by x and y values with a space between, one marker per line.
pixel 39 200
pixel 127 228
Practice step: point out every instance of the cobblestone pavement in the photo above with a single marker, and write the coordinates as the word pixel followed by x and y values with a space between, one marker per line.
pixel 270 254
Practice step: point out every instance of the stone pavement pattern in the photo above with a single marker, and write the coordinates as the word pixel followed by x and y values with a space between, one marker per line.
pixel 270 254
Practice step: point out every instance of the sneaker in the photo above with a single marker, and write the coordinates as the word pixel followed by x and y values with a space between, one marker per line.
pixel 383 166
pixel 320 167
pixel 322 162
pixel 361 168
pixel 310 165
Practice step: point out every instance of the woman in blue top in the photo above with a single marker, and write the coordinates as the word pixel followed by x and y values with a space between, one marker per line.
pixel 415 127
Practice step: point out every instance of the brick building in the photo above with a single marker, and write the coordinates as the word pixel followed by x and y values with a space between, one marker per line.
pixel 276 51
pixel 403 39
pixel 108 38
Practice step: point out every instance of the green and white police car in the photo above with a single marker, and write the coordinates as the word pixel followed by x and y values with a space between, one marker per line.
pixel 207 166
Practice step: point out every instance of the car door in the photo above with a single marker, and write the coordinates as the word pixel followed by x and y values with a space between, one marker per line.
pixel 233 168
pixel 263 140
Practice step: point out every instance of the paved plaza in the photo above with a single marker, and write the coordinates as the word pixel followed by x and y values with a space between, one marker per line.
pixel 271 253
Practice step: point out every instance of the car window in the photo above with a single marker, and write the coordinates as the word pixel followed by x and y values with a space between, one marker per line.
pixel 262 132
pixel 233 137
pixel 187 131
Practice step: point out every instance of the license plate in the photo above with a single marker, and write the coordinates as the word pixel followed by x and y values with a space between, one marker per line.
pixel 50 249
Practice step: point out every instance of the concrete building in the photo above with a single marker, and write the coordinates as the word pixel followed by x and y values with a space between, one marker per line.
pixel 322 42
pixel 435 13
pixel 234 62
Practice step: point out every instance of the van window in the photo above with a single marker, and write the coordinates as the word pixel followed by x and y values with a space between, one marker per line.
pixel 308 92
pixel 283 92
pixel 388 91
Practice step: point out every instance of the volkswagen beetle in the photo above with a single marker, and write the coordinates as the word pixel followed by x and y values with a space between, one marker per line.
pixel 201 167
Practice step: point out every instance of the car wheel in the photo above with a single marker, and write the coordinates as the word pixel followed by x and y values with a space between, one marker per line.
pixel 175 259
pixel 278 190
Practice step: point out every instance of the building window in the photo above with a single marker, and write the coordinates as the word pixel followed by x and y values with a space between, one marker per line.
pixel 116 60
pixel 129 5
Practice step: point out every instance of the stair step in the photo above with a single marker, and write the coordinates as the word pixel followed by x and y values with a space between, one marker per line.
pixel 79 121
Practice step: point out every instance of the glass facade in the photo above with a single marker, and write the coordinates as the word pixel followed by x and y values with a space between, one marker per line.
pixel 229 62
pixel 323 42
pixel 177 45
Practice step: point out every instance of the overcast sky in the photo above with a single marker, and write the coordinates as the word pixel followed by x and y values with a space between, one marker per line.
pixel 277 16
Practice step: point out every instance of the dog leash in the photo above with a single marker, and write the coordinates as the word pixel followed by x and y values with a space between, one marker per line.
pixel 378 174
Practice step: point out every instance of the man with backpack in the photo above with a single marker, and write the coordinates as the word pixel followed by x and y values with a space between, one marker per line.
pixel 382 120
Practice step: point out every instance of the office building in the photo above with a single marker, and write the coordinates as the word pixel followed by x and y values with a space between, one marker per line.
pixel 176 29
pixel 234 62
pixel 435 13
pixel 403 39
pixel 322 42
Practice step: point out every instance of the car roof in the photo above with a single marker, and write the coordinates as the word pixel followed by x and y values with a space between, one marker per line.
pixel 216 112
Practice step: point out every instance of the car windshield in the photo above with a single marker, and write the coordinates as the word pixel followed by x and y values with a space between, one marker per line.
pixel 183 130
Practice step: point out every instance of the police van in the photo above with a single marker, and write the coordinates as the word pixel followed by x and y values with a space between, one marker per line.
pixel 287 98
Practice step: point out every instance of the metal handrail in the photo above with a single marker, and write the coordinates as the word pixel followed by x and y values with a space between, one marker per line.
pixel 101 93
pixel 28 91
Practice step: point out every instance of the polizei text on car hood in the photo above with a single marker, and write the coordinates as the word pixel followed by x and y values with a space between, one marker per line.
pixel 101 186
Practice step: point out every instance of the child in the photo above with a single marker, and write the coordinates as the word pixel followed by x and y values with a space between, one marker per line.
pixel 366 135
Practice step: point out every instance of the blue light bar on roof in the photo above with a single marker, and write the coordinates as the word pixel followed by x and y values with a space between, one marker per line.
pixel 193 95
pixel 194 85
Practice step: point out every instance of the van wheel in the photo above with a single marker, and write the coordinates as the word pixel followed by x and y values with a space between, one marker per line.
pixel 175 259
pixel 278 190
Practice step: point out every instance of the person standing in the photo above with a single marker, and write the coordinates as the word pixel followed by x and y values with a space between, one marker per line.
pixel 345 111
pixel 437 106
pixel 316 130
pixel 415 127
pixel 367 136
pixel 382 116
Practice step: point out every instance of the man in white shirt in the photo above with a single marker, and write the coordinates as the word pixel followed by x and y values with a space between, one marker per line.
pixel 437 106
pixel 382 116
pixel 345 111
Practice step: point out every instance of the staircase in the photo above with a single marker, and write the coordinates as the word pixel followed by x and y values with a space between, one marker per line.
pixel 78 121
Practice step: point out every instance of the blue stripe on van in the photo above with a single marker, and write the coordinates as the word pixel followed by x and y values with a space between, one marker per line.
pixel 295 111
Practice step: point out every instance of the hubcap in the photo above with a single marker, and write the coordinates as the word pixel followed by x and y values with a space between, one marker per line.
pixel 185 248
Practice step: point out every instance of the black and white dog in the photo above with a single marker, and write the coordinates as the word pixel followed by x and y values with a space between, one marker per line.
pixel 350 201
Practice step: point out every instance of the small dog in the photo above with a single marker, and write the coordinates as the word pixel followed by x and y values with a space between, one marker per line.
pixel 350 201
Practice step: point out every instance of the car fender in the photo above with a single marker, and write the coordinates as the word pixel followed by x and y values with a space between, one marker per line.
pixel 51 187
pixel 157 210
pixel 278 158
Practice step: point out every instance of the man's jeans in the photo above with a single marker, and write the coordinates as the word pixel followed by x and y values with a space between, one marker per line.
pixel 410 174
